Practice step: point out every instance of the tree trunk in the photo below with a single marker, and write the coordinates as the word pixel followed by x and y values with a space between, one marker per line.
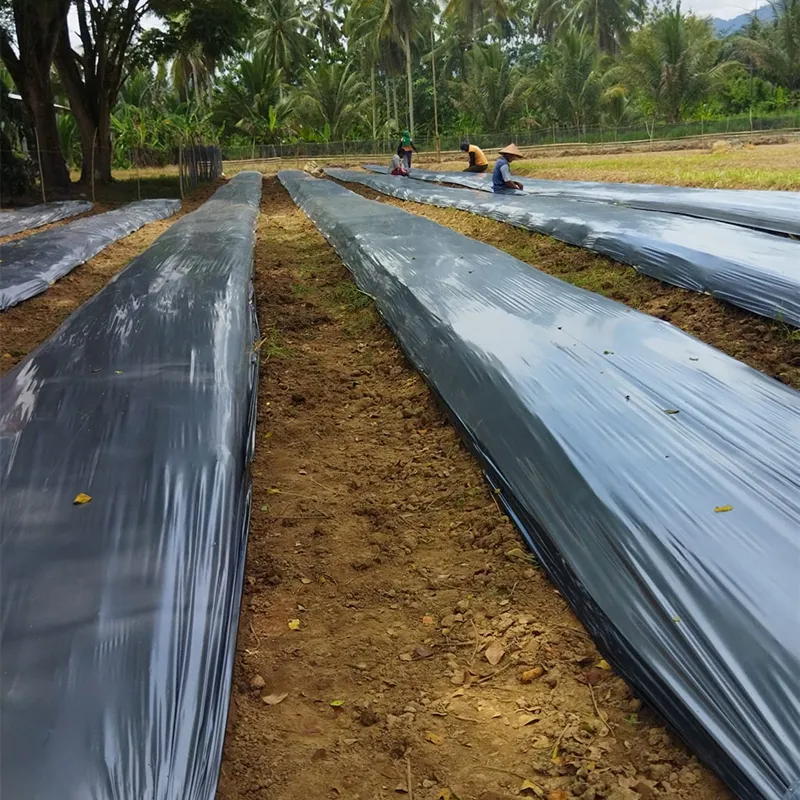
pixel 198 94
pixel 394 102
pixel 39 96
pixel 94 149
pixel 37 28
pixel 374 104
pixel 410 82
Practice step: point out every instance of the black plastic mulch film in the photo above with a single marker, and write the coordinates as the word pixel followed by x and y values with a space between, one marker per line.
pixel 754 270
pixel 31 265
pixel 778 212
pixel 119 616
pixel 617 443
pixel 44 214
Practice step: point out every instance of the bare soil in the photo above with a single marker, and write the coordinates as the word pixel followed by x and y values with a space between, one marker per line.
pixel 390 609
pixel 27 325
pixel 769 346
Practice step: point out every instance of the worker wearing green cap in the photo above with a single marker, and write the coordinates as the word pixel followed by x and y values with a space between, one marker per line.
pixel 408 147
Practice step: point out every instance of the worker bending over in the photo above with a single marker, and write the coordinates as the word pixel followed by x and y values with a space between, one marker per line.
pixel 477 160
pixel 408 147
pixel 501 176
pixel 398 165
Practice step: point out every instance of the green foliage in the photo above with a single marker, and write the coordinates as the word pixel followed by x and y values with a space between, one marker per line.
pixel 281 38
pixel 265 72
pixel 252 101
pixel 332 101
pixel 776 48
pixel 492 91
pixel 673 64
pixel 569 80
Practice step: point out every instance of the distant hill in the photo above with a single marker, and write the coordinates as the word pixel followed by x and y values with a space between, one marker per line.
pixel 725 27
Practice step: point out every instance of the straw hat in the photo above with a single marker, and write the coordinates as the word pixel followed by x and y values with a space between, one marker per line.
pixel 511 150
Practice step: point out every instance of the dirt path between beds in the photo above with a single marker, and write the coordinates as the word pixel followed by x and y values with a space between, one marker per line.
pixel 769 346
pixel 25 326
pixel 390 610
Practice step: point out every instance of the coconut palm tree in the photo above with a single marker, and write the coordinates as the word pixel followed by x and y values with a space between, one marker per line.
pixel 492 90
pixel 673 64
pixel 776 48
pixel 252 100
pixel 475 14
pixel 190 76
pixel 398 25
pixel 332 98
pixel 359 27
pixel 324 24
pixel 569 84
pixel 281 37
pixel 610 22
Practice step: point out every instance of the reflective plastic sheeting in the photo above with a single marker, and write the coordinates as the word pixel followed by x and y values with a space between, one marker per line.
pixel 616 442
pixel 777 212
pixel 120 615
pixel 750 269
pixel 44 214
pixel 31 265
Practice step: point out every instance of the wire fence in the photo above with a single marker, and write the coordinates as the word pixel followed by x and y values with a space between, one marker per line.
pixel 154 171
pixel 522 137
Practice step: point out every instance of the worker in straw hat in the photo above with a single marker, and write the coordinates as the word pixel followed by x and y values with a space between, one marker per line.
pixel 501 177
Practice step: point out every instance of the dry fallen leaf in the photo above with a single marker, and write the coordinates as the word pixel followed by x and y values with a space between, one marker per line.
pixel 494 652
pixel 530 675
pixel 434 738
pixel 428 620
pixel 81 499
pixel 603 664
pixel 530 789
pixel 305 581
pixel 294 624
pixel 558 794
pixel 527 719
pixel 274 699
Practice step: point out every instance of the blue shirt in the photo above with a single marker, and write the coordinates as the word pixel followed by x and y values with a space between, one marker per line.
pixel 501 174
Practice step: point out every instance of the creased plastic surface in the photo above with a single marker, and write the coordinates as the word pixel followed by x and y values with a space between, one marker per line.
pixel 777 212
pixel 36 216
pixel 28 266
pixel 750 269
pixel 119 616
pixel 566 396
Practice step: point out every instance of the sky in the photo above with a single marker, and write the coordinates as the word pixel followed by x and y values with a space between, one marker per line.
pixel 724 9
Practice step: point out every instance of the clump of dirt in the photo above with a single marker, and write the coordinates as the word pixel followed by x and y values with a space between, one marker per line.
pixel 25 326
pixel 396 637
pixel 767 345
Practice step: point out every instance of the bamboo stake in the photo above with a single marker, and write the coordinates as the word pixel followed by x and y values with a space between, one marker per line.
pixel 180 168
pixel 435 103
pixel 39 157
pixel 94 144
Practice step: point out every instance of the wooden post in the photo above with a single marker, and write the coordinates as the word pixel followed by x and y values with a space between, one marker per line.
pixel 180 169
pixel 39 157
pixel 138 176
